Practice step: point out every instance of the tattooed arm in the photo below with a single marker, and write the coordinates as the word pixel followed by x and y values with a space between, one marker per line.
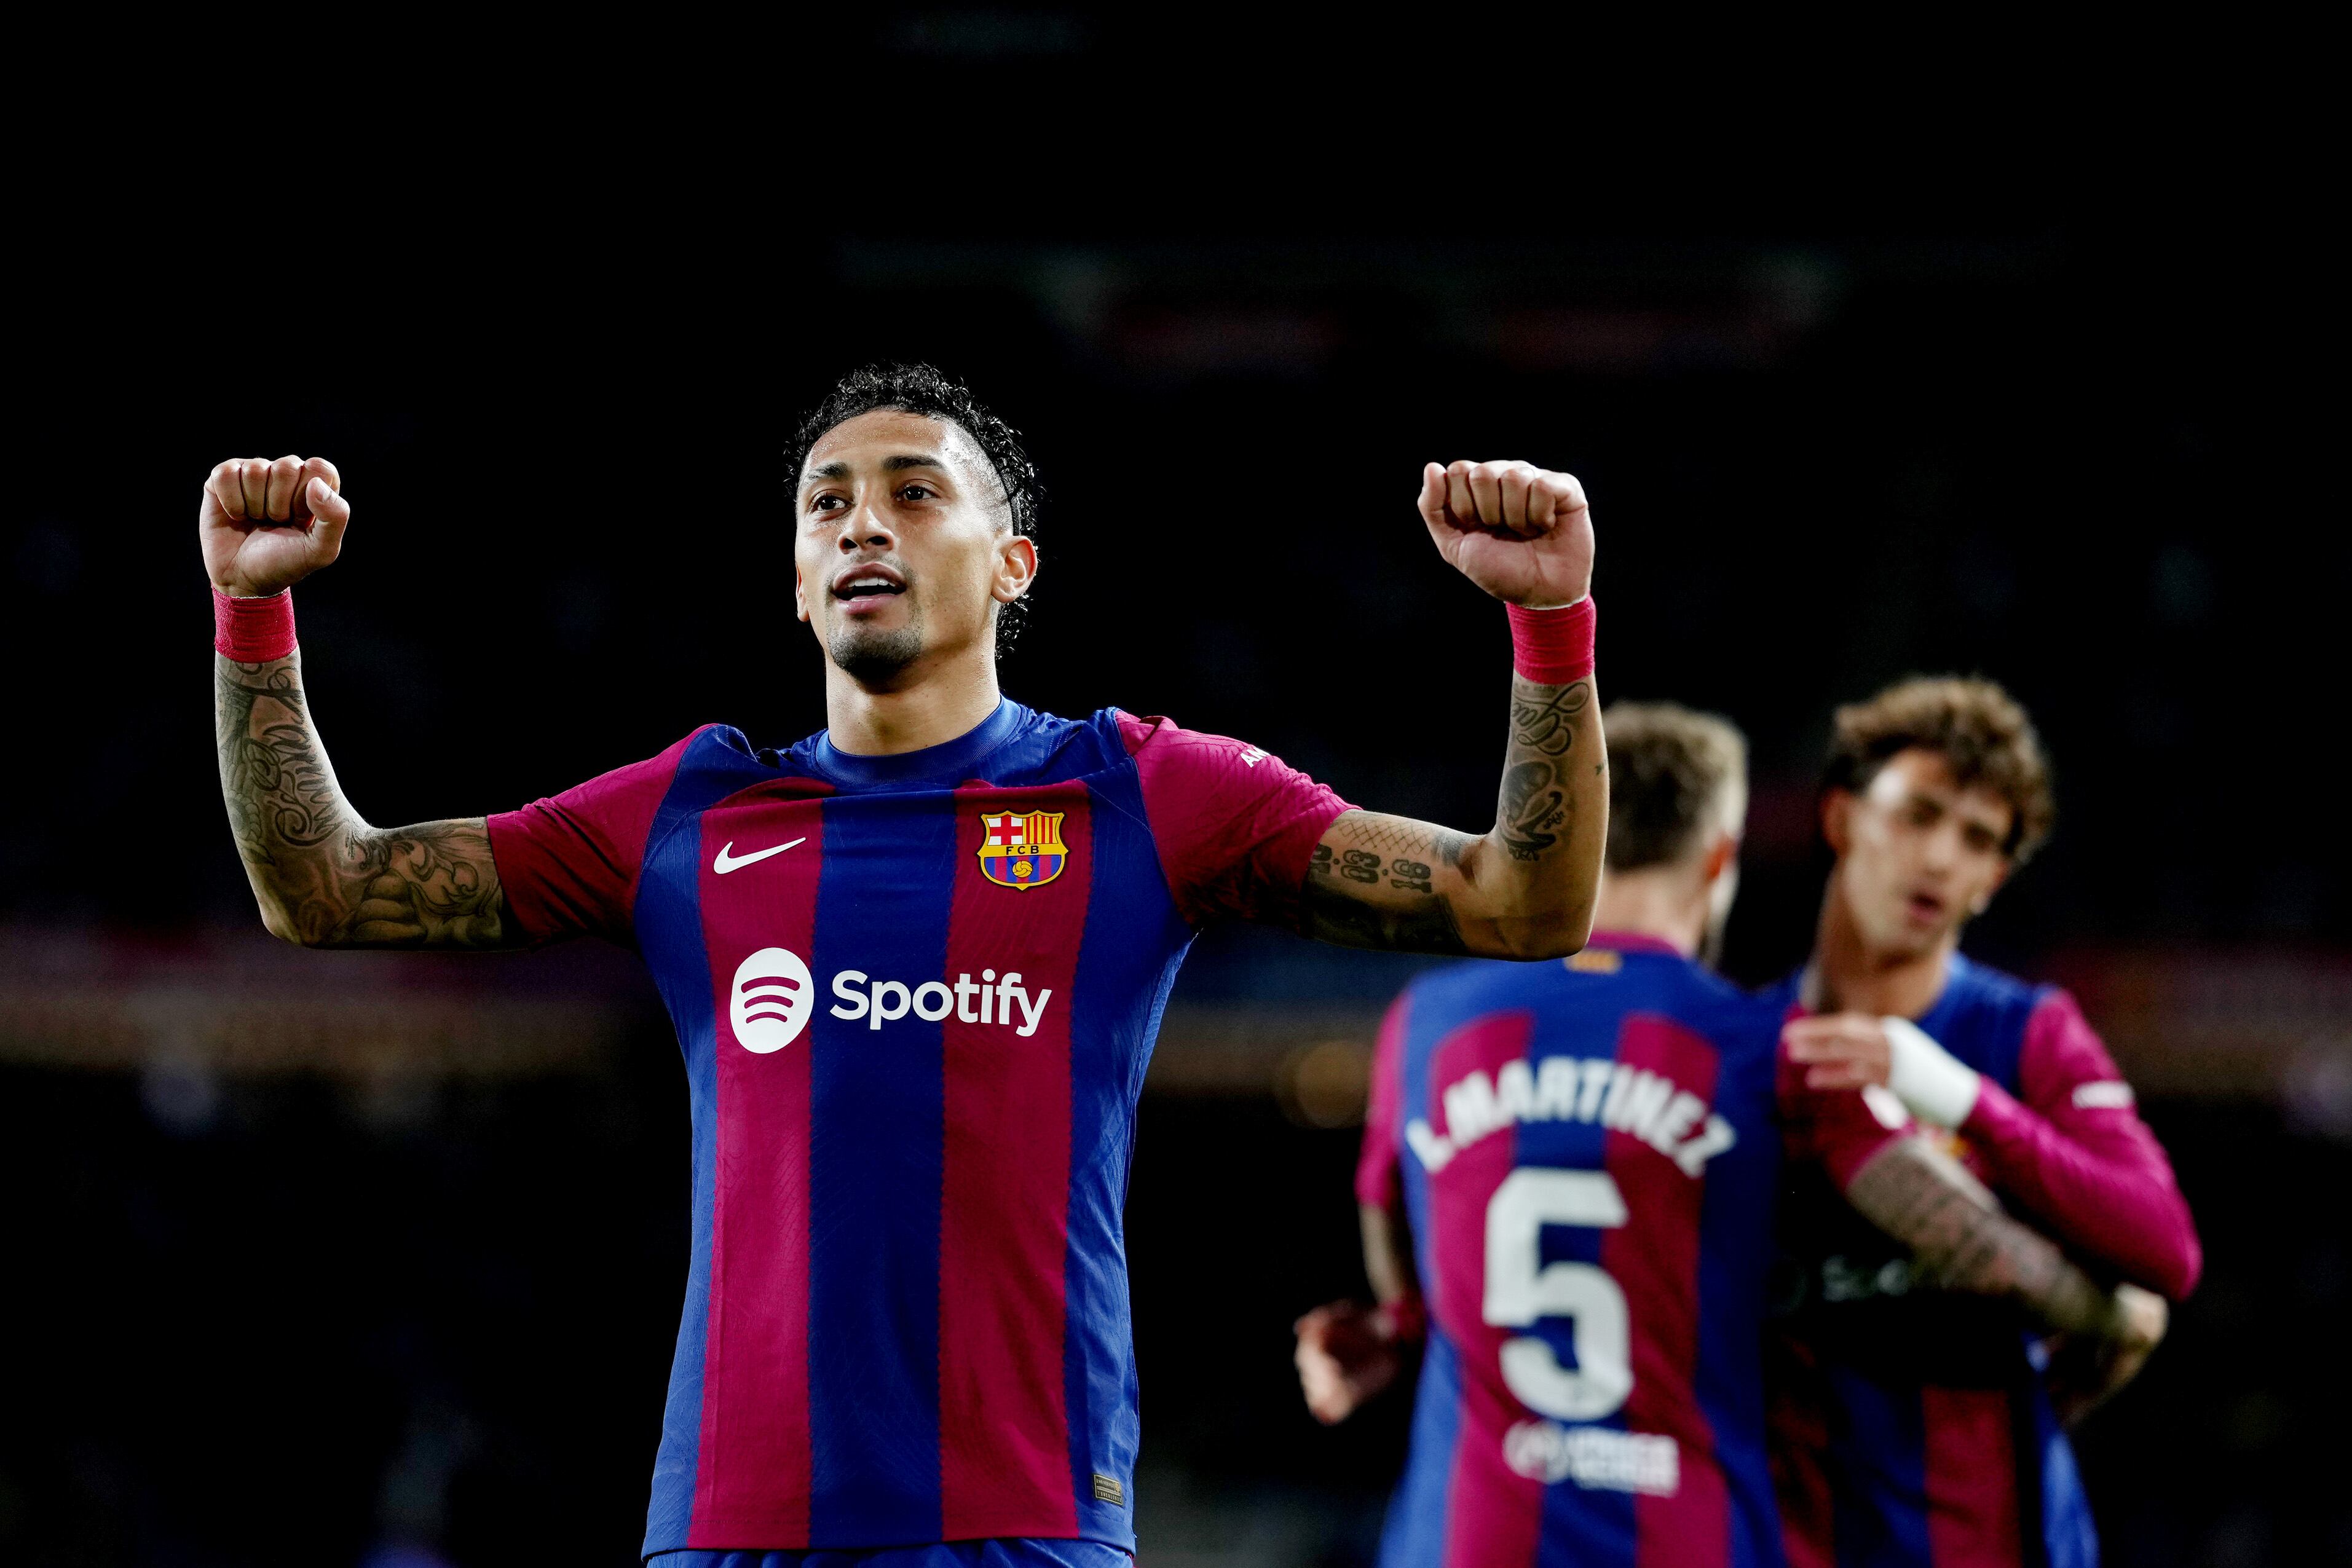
pixel 1927 1200
pixel 324 878
pixel 1526 889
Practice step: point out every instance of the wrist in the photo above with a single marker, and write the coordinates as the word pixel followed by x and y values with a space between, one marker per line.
pixel 253 630
pixel 1402 1321
pixel 1552 646
pixel 1933 1084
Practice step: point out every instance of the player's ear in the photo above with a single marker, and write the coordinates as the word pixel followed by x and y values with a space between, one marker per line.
pixel 1723 855
pixel 1017 567
pixel 1837 819
pixel 1983 901
pixel 800 593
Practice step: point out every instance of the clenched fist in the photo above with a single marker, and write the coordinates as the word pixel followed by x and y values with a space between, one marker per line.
pixel 1522 533
pixel 1346 1354
pixel 267 526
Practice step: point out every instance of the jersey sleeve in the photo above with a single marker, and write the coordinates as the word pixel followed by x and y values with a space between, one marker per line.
pixel 1379 1170
pixel 2074 1152
pixel 569 864
pixel 1235 826
pixel 1839 1129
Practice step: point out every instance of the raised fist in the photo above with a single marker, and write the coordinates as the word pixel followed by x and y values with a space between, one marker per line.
pixel 267 526
pixel 1522 533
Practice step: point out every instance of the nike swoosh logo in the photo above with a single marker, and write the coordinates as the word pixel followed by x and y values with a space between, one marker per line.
pixel 730 861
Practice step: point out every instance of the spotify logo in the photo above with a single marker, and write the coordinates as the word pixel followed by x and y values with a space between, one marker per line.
pixel 771 998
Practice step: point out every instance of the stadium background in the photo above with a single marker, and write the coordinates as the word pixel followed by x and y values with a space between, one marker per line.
pixel 318 1259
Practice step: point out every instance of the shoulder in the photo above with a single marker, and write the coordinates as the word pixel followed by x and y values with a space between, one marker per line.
pixel 1164 739
pixel 1071 746
pixel 1994 995
pixel 2063 1054
pixel 1983 985
pixel 1783 993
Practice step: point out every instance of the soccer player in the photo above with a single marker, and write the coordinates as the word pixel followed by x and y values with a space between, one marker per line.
pixel 916 963
pixel 1578 1161
pixel 1912 1425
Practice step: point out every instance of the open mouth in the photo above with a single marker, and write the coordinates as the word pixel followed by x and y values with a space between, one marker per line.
pixel 1925 907
pixel 863 587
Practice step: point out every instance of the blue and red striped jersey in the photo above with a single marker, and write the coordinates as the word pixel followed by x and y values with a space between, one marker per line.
pixel 915 995
pixel 1588 1153
pixel 1911 1426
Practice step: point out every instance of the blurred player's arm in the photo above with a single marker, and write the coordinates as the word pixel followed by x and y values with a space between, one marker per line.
pixel 1348 1353
pixel 322 876
pixel 2072 1152
pixel 1924 1198
pixel 1525 888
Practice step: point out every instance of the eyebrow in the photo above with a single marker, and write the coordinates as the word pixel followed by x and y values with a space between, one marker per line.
pixel 839 469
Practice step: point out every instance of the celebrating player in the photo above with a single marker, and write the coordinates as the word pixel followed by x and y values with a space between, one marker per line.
pixel 916 963
pixel 1910 1426
pixel 1586 1158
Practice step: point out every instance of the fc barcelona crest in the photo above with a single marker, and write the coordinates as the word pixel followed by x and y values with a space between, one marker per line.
pixel 1021 848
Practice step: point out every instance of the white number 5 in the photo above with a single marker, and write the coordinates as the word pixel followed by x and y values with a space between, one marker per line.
pixel 1521 1289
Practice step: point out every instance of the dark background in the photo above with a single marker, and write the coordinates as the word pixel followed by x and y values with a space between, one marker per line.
pixel 1975 396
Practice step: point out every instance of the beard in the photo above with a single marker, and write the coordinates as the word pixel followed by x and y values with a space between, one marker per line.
pixel 874 658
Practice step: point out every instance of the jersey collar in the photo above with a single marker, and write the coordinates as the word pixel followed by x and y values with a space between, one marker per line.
pixel 1633 942
pixel 949 763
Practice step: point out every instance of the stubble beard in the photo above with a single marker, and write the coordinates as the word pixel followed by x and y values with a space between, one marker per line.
pixel 876 658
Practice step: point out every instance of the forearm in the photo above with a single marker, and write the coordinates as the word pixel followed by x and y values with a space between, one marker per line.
pixel 1388 1254
pixel 323 877
pixel 1532 879
pixel 1925 1200
pixel 1525 890
pixel 2116 1201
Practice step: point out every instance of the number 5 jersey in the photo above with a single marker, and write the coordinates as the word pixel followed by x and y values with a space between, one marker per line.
pixel 915 996
pixel 1588 1153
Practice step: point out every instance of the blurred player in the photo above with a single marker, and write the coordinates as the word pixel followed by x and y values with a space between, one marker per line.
pixel 917 961
pixel 1911 1427
pixel 1586 1158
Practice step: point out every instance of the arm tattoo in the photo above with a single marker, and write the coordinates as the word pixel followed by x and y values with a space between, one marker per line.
pixel 1537 807
pixel 1424 925
pixel 1409 840
pixel 1925 1199
pixel 1391 882
pixel 325 877
pixel 1543 717
pixel 1535 801
pixel 1334 907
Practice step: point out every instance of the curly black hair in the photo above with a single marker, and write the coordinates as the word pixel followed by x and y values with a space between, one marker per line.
pixel 929 391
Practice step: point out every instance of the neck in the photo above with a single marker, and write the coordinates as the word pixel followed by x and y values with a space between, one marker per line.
pixel 1848 975
pixel 930 703
pixel 1664 901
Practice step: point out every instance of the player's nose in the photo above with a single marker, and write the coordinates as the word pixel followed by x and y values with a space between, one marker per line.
pixel 868 529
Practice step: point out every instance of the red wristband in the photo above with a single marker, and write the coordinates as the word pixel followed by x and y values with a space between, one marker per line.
pixel 254 631
pixel 1552 647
